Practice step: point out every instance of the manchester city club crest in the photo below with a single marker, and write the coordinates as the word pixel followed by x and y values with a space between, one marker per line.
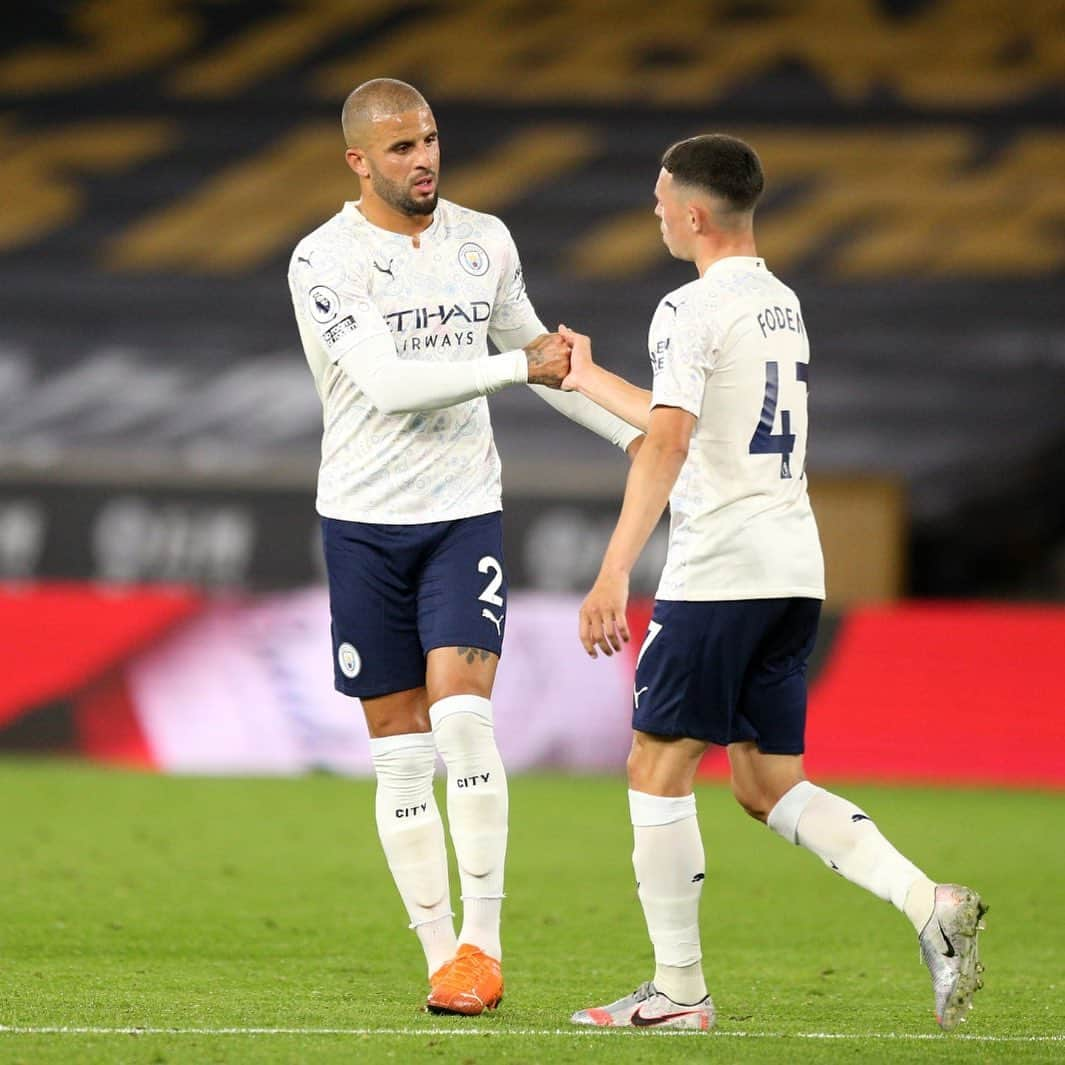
pixel 473 259
pixel 324 303
pixel 349 660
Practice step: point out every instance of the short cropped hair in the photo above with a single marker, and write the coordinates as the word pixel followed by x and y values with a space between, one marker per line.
pixel 373 99
pixel 723 166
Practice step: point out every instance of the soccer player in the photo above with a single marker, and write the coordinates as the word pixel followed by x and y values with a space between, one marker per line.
pixel 737 608
pixel 395 298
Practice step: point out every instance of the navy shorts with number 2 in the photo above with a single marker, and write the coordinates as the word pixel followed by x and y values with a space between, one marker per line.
pixel 727 671
pixel 397 592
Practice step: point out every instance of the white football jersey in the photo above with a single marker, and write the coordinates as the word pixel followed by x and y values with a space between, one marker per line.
pixel 731 348
pixel 351 281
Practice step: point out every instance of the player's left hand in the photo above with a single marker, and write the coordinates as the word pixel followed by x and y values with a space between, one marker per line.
pixel 603 623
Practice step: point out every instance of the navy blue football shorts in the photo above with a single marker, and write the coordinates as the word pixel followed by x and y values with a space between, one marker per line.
pixel 727 671
pixel 398 591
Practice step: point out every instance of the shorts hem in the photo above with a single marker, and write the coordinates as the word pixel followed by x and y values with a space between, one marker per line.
pixel 375 692
pixel 773 750
pixel 675 734
pixel 681 734
pixel 437 644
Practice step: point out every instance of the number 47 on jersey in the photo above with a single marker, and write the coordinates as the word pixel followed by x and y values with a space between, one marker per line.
pixel 765 441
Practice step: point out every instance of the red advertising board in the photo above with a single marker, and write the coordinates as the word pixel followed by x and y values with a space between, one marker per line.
pixel 166 678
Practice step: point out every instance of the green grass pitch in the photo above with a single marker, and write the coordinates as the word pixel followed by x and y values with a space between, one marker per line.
pixel 255 921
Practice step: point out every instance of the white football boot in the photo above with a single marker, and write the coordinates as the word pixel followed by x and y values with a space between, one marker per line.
pixel 948 948
pixel 647 1007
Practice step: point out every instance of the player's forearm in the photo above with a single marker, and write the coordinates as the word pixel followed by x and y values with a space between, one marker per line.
pixel 622 398
pixel 653 474
pixel 584 412
pixel 398 386
pixel 610 424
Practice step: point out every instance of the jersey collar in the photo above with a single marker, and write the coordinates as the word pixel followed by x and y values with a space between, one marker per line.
pixel 735 263
pixel 352 212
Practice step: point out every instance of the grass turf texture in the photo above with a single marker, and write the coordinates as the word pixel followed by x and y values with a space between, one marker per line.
pixel 136 901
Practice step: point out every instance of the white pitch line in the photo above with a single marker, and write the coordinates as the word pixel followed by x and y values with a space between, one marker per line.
pixel 580 1033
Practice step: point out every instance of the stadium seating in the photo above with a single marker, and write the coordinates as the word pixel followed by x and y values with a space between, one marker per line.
pixel 161 159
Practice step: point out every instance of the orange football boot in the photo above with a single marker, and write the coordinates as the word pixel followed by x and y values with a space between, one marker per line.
pixel 469 984
pixel 440 973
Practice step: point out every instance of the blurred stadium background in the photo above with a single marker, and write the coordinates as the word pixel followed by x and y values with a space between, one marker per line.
pixel 162 602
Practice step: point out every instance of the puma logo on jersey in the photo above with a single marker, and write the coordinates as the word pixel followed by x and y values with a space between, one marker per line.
pixel 636 694
pixel 498 622
pixel 385 269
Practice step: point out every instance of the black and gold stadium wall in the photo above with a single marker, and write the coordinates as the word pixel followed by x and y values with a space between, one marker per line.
pixel 160 158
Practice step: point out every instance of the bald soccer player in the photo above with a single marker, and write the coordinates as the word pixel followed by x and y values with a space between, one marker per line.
pixel 396 298
pixel 737 607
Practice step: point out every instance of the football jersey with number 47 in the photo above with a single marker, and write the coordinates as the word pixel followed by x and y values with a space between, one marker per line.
pixel 731 348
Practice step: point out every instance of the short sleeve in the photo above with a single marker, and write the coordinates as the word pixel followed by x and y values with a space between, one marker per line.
pixel 681 347
pixel 332 302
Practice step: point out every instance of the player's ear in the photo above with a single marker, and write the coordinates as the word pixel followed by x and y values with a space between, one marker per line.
pixel 701 218
pixel 357 161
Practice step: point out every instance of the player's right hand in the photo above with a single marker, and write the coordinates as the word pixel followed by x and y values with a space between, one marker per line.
pixel 603 623
pixel 548 357
pixel 580 358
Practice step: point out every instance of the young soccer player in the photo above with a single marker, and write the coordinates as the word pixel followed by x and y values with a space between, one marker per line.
pixel 737 608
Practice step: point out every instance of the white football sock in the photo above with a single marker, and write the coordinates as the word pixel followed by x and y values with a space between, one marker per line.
pixel 477 805
pixel 670 868
pixel 845 838
pixel 412 834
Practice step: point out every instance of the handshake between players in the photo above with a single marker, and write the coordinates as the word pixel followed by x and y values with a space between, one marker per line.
pixel 564 360
pixel 549 360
